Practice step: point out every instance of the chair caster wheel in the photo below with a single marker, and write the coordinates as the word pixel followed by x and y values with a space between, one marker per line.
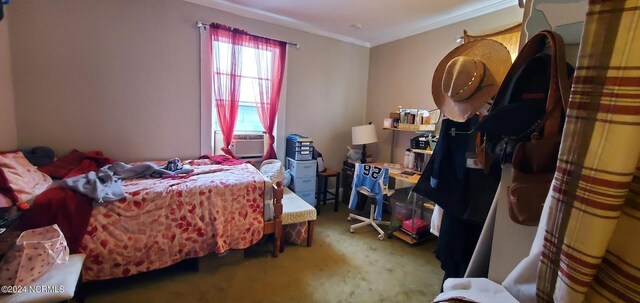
pixel 351 230
pixel 380 237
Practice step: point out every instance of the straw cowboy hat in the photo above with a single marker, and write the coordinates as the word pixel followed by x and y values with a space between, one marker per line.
pixel 468 77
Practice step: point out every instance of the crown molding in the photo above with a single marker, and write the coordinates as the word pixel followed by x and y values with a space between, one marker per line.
pixel 275 19
pixel 427 25
pixel 396 34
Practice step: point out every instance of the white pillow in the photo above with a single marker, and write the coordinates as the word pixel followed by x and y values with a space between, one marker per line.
pixel 287 179
pixel 24 178
pixel 272 170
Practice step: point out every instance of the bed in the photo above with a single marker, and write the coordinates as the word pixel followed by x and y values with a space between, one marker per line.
pixel 162 221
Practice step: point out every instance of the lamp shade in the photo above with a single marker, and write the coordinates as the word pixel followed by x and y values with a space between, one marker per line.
pixel 364 134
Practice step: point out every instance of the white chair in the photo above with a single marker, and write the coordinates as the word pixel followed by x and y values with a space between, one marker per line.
pixel 371 198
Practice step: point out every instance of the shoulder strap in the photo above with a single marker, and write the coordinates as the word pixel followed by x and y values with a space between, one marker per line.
pixel 558 97
pixel 561 71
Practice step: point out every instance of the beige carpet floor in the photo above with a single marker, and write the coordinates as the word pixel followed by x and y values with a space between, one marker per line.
pixel 339 267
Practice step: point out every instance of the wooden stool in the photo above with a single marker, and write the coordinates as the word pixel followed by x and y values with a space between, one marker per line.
pixel 322 191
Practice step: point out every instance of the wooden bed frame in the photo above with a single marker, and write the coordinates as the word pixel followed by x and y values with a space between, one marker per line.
pixel 275 225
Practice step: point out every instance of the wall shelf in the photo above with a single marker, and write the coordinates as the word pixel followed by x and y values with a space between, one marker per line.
pixel 413 128
pixel 416 129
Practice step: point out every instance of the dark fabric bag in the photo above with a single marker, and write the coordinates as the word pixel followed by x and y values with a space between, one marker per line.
pixel 39 155
pixel 520 104
pixel 529 117
pixel 535 161
pixel 517 107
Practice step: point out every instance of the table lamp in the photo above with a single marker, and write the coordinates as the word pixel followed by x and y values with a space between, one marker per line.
pixel 364 135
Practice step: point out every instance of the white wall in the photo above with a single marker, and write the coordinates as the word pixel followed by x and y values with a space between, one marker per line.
pixel 400 72
pixel 123 77
pixel 8 136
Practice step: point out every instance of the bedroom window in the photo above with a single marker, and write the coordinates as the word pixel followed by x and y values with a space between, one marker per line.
pixel 247 119
pixel 242 77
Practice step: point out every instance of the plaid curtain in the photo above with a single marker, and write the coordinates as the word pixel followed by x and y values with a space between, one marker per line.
pixel 591 249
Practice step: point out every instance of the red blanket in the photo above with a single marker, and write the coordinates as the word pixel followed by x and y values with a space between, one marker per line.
pixel 65 207
pixel 223 160
pixel 69 209
pixel 75 163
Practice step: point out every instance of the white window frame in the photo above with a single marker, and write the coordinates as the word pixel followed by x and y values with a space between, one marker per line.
pixel 207 108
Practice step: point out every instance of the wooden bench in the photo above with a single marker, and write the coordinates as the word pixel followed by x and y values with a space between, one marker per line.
pixel 295 211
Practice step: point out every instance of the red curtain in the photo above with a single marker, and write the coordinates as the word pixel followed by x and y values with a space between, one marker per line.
pixel 270 59
pixel 227 56
pixel 226 67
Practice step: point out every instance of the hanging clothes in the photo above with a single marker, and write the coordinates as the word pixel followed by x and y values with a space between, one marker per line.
pixel 587 246
pixel 449 181
pixel 436 221
pixel 464 193
pixel 458 238
pixel 505 242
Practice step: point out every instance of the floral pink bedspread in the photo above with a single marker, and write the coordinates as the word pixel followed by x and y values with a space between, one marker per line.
pixel 163 221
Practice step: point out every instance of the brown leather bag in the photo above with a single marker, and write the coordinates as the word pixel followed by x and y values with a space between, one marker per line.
pixel 534 161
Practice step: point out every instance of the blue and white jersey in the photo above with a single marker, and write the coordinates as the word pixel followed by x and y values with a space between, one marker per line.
pixel 372 178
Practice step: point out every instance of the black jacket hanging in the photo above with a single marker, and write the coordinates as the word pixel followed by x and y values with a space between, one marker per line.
pixel 464 192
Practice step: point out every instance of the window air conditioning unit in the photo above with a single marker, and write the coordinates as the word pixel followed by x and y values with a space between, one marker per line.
pixel 243 145
pixel 247 145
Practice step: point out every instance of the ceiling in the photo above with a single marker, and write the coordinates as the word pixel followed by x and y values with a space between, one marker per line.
pixel 381 21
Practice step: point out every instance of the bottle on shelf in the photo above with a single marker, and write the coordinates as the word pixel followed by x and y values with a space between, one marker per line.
pixel 412 160
pixel 407 158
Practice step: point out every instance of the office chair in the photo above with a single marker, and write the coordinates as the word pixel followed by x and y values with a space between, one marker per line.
pixel 371 181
